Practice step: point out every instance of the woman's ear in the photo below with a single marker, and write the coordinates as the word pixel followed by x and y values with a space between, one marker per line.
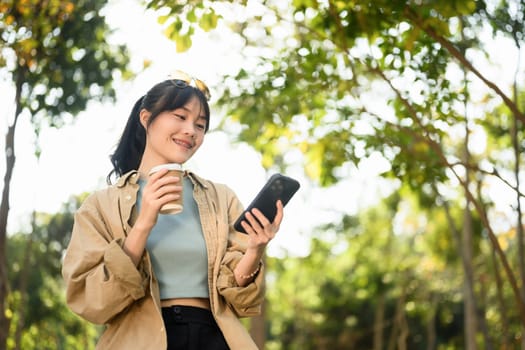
pixel 144 117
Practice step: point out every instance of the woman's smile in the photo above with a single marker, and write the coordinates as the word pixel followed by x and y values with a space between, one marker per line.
pixel 182 143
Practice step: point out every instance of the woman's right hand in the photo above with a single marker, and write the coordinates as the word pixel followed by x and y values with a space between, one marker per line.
pixel 158 191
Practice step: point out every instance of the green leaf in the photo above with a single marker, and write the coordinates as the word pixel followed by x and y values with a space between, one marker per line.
pixel 208 21
pixel 183 42
pixel 191 16
pixel 163 19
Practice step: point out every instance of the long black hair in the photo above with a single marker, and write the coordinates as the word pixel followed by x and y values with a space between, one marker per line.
pixel 164 96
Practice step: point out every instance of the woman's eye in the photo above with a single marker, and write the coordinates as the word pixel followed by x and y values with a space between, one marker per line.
pixel 180 116
pixel 201 126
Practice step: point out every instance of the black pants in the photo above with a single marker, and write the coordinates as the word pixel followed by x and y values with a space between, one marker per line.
pixel 192 328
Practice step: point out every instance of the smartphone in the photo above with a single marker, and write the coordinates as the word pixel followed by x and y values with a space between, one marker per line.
pixel 277 187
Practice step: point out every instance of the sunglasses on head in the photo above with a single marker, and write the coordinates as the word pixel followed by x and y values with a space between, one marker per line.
pixel 181 79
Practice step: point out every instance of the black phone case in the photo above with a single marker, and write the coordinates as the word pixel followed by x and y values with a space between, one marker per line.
pixel 277 187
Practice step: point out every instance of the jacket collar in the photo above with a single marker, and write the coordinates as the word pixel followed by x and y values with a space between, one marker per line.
pixel 131 177
pixel 196 179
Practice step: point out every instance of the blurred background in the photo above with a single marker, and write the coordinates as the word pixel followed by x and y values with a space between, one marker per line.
pixel 403 121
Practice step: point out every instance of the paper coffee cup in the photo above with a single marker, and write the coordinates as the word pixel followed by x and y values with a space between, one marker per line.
pixel 174 169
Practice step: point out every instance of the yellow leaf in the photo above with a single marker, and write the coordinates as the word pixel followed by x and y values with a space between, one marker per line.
pixel 183 43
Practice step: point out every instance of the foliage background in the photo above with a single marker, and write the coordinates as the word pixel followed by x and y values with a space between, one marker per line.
pixel 436 262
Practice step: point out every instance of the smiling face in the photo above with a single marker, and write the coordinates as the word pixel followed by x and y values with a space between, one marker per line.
pixel 173 136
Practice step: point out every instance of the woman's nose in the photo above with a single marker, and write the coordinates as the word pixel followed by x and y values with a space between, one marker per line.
pixel 189 129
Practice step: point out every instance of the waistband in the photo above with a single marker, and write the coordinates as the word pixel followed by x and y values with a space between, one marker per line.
pixel 185 314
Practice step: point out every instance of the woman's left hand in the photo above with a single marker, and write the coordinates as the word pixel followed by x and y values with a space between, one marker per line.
pixel 260 230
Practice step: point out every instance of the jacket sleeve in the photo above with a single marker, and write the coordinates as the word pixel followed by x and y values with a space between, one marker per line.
pixel 244 301
pixel 101 279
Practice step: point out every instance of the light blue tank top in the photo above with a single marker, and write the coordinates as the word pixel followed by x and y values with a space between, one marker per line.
pixel 178 250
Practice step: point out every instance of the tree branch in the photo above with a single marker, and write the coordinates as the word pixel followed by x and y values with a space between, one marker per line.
pixel 456 53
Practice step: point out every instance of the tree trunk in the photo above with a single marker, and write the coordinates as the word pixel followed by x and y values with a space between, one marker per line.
pixel 393 332
pixel 467 244
pixel 404 331
pixel 517 125
pixel 379 322
pixel 24 276
pixel 463 242
pixel 468 287
pixel 431 324
pixel 506 338
pixel 400 331
pixel 4 213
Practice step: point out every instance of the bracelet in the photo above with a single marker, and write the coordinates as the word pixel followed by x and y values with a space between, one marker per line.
pixel 253 273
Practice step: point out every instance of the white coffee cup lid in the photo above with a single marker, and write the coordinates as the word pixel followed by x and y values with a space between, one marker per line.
pixel 169 166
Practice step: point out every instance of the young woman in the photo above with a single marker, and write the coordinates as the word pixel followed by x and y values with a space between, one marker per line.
pixel 166 281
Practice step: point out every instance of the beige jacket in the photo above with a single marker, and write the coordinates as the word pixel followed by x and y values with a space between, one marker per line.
pixel 104 286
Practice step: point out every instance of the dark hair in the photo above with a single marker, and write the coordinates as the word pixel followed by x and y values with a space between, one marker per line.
pixel 165 96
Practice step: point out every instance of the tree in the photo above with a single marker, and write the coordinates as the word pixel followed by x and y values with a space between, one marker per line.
pixel 411 49
pixel 40 317
pixel 347 80
pixel 56 66
pixel 377 286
